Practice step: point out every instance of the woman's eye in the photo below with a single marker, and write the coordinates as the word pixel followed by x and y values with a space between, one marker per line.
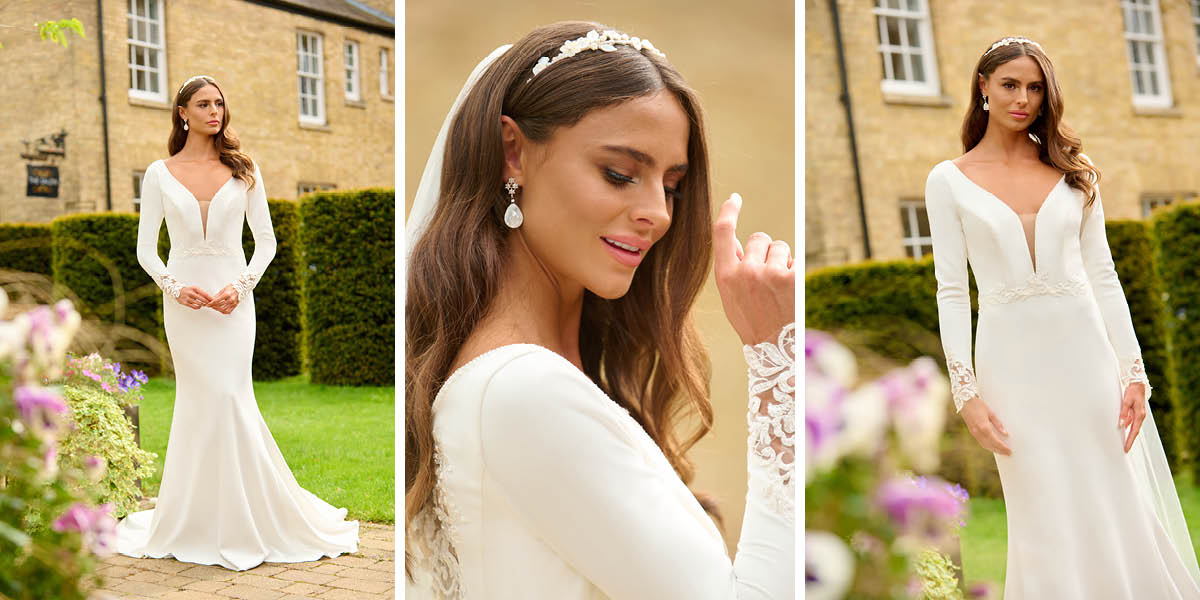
pixel 617 178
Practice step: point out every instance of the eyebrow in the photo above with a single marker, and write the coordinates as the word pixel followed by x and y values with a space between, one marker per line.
pixel 1011 78
pixel 642 157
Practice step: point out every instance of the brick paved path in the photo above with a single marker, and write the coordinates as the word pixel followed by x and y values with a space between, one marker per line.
pixel 368 574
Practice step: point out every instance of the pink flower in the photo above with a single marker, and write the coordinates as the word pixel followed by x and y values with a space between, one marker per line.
pixel 50 463
pixel 97 526
pixel 95 466
pixel 916 503
pixel 41 409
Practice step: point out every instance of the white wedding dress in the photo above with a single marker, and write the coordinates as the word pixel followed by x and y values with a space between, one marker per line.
pixel 227 496
pixel 547 489
pixel 1055 349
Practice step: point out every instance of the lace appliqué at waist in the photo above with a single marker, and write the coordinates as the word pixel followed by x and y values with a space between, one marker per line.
pixel 205 248
pixel 772 439
pixel 435 538
pixel 1038 284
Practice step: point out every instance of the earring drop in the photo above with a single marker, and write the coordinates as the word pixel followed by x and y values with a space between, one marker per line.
pixel 185 126
pixel 513 216
pixel 985 104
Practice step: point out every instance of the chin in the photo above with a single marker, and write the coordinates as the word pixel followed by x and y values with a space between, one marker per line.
pixel 611 290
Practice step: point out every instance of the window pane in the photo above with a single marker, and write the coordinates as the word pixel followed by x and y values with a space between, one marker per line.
pixel 141 79
pixel 139 56
pixel 893 3
pixel 909 251
pixel 893 30
pixel 905 220
pixel 922 222
pixel 1135 53
pixel 1138 87
pixel 141 31
pixel 153 82
pixel 1153 77
pixel 914 37
pixel 898 71
pixel 130 24
pixel 913 5
pixel 926 249
pixel 918 67
pixel 152 5
pixel 154 33
pixel 131 86
pixel 153 56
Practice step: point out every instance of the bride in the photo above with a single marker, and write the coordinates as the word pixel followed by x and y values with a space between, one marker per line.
pixel 1058 389
pixel 560 235
pixel 227 497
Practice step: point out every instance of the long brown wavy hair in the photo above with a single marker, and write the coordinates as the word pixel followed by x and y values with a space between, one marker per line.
pixel 225 140
pixel 1058 145
pixel 642 349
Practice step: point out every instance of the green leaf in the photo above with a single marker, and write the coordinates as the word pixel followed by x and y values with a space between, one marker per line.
pixel 16 536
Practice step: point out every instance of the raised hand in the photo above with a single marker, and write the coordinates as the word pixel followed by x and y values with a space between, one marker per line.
pixel 1133 411
pixel 193 297
pixel 757 284
pixel 985 426
pixel 225 301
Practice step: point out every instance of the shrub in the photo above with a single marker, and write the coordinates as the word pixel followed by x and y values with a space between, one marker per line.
pixel 348 245
pixel 25 247
pixel 95 265
pixel 279 334
pixel 1176 231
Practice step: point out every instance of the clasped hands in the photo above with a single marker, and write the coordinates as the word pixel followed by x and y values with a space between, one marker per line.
pixel 195 298
pixel 987 429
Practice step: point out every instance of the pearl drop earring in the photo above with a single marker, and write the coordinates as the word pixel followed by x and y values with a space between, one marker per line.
pixel 513 216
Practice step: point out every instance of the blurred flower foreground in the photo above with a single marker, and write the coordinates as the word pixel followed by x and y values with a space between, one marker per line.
pixel 53 525
pixel 877 524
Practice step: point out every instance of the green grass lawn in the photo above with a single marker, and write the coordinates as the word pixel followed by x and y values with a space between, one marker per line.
pixel 338 440
pixel 985 539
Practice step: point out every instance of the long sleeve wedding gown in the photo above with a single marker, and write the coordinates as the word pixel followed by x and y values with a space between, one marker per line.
pixel 1054 351
pixel 227 496
pixel 546 488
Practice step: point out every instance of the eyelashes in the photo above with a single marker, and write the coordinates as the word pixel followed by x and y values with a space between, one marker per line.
pixel 621 180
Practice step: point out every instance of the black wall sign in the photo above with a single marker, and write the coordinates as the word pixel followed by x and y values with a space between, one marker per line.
pixel 42 181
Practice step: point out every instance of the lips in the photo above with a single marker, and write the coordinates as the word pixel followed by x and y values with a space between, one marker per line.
pixel 628 251
pixel 1018 114
pixel 214 122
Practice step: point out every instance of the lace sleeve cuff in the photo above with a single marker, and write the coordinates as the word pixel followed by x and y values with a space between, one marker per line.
pixel 772 440
pixel 1133 369
pixel 962 382
pixel 168 284
pixel 244 283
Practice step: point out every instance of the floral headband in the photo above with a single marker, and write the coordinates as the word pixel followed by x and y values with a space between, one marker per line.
pixel 191 79
pixel 607 41
pixel 1013 40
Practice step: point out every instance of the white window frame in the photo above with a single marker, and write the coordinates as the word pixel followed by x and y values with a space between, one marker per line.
pixel 350 58
pixel 912 238
pixel 924 49
pixel 137 196
pixel 315 73
pixel 1153 201
pixel 1196 27
pixel 158 51
pixel 1153 41
pixel 384 88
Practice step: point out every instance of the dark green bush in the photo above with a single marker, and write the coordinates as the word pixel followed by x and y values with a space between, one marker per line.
pixel 1133 252
pixel 348 255
pixel 279 332
pixel 95 264
pixel 25 247
pixel 1176 231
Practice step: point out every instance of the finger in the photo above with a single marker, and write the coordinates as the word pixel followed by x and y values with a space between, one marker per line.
pixel 779 255
pixel 996 422
pixel 756 247
pixel 1126 407
pixel 1133 433
pixel 999 443
pixel 727 251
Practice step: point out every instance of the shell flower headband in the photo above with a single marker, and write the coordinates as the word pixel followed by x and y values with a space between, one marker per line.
pixel 1013 40
pixel 607 41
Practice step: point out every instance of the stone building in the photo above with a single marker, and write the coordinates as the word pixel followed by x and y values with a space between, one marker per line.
pixel 309 86
pixel 1129 71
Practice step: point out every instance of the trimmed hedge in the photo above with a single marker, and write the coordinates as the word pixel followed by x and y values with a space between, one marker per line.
pixel 25 247
pixel 889 310
pixel 94 259
pixel 1176 231
pixel 348 244
pixel 279 333
pixel 1133 250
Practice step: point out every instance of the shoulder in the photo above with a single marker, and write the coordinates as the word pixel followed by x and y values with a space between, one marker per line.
pixel 941 171
pixel 533 375
pixel 937 183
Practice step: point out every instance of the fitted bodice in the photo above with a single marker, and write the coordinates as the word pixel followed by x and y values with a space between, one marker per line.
pixel 1012 254
pixel 190 235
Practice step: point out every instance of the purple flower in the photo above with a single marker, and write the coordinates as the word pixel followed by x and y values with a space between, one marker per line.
pixel 40 408
pixel 910 502
pixel 97 526
pixel 140 376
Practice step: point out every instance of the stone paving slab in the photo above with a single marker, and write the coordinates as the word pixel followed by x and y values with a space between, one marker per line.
pixel 368 574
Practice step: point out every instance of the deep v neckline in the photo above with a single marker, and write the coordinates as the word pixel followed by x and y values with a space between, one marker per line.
pixel 196 201
pixel 1037 215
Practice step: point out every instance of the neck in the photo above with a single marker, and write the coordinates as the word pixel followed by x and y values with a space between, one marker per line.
pixel 198 147
pixel 535 306
pixel 1007 145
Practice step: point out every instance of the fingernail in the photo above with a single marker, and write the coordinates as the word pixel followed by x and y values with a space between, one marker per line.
pixel 736 197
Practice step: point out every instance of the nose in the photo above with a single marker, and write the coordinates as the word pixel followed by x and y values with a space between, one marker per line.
pixel 1023 96
pixel 654 210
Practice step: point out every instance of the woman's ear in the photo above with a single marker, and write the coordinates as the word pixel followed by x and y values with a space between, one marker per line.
pixel 515 148
pixel 982 84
